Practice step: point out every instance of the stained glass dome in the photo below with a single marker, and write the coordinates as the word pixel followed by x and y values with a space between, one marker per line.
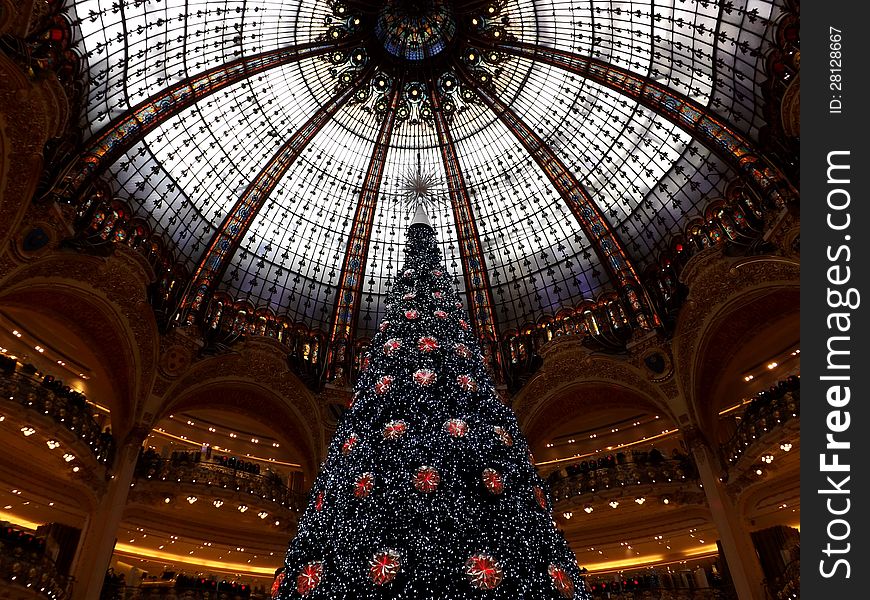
pixel 415 31
pixel 560 144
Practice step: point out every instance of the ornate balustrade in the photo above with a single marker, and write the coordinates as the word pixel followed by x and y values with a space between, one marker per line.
pixel 169 590
pixel 216 477
pixel 65 407
pixel 603 592
pixel 23 564
pixel 565 484
pixel 767 412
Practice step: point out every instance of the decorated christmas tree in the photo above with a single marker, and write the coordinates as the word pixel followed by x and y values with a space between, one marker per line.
pixel 428 489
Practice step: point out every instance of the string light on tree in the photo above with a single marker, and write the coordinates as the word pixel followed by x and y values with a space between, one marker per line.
pixel 428 489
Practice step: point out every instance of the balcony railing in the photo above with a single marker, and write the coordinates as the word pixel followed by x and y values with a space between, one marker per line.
pixel 213 476
pixel 577 481
pixel 768 411
pixel 64 406
pixel 169 590
pixel 23 563
pixel 664 594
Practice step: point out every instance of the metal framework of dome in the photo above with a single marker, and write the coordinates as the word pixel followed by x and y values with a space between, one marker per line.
pixel 272 141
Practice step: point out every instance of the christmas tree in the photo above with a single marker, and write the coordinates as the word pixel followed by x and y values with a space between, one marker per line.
pixel 428 489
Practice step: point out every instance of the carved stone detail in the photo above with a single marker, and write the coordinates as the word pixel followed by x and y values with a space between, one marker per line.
pixel 567 363
pixel 31 112
pixel 85 285
pixel 716 282
pixel 258 363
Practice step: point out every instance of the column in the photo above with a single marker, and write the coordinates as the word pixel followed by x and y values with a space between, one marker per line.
pixel 98 535
pixel 740 554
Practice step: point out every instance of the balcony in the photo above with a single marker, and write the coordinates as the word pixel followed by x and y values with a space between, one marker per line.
pixel 770 416
pixel 45 404
pixel 190 474
pixel 25 570
pixel 618 475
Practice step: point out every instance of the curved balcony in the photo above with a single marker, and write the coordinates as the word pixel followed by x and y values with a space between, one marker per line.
pixel 25 567
pixel 219 480
pixel 605 592
pixel 768 415
pixel 49 398
pixel 579 482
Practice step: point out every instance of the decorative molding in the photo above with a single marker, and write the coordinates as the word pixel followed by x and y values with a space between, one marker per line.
pixel 31 112
pixel 254 380
pixel 104 301
pixel 719 286
pixel 567 363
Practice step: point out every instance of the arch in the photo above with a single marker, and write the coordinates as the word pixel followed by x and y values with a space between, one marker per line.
pixel 567 365
pixel 276 397
pixel 719 287
pixel 251 399
pixel 102 302
pixel 582 399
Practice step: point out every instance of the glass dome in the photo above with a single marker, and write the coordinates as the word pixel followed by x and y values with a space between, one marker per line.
pixel 560 143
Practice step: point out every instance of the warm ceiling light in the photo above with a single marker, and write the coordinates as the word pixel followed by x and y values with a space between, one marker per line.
pixel 785 447
pixel 243 508
pixel 167 500
pixel 192 499
pixel 567 514
pixel 262 514
pixel 276 524
pixel 772 365
pixel 749 378
pixel 613 503
pixel 588 508
pixel 52 444
pixel 767 458
pixel 39 349
pixel 16 333
pixel 218 503
pixel 759 472
pixel 69 457
pixel 27 430
pixel 640 500
pixel 666 500
pixel 75 469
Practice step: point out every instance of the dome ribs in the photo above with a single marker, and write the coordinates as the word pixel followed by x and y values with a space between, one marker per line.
pixel 603 239
pixel 474 269
pixel 696 120
pixel 347 301
pixel 227 238
pixel 131 126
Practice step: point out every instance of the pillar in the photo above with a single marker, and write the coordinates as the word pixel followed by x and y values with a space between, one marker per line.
pixel 101 527
pixel 740 554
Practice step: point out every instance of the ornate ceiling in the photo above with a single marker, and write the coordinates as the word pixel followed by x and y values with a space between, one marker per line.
pixel 274 141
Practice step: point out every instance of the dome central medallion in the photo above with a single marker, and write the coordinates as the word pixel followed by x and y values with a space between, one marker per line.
pixel 415 30
pixel 427 50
